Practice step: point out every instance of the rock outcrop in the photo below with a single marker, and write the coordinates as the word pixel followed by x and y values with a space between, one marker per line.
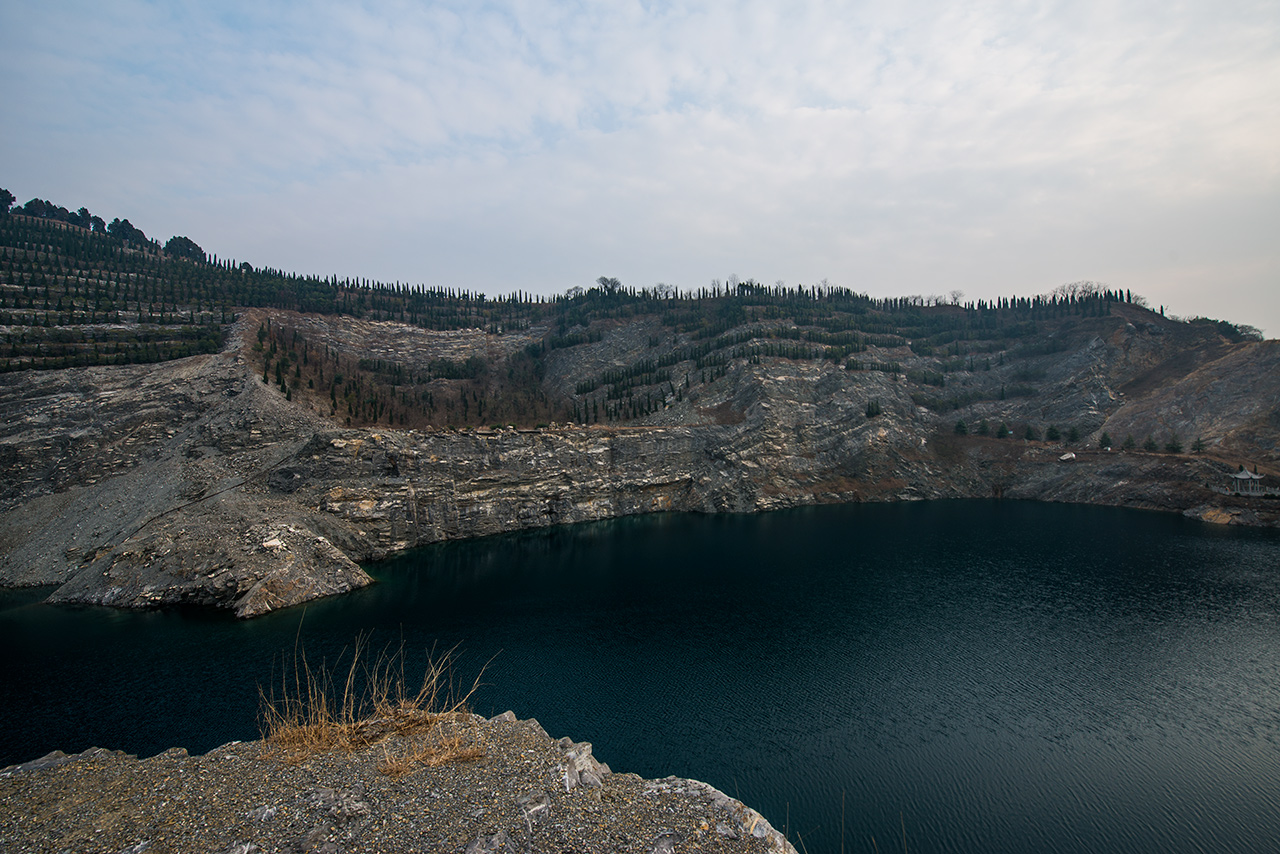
pixel 524 792
pixel 195 482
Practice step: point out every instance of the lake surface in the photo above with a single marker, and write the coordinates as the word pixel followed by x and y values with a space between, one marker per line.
pixel 974 676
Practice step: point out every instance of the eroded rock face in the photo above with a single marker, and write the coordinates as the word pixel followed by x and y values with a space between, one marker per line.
pixel 194 482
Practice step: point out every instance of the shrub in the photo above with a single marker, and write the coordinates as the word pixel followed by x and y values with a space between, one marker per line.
pixel 312 714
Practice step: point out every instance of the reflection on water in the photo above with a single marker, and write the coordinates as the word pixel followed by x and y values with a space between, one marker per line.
pixel 990 676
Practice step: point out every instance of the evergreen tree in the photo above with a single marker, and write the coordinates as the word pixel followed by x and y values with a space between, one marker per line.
pixel 184 247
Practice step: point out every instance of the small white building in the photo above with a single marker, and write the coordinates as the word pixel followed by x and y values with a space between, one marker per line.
pixel 1245 482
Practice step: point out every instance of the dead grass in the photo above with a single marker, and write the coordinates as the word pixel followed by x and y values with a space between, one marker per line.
pixel 324 709
pixel 450 738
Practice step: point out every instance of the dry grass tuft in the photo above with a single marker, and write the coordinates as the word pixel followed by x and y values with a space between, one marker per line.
pixel 310 713
pixel 451 738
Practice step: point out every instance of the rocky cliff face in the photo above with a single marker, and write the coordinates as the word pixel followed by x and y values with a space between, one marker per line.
pixel 195 482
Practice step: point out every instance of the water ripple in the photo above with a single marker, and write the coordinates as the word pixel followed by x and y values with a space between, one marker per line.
pixel 974 676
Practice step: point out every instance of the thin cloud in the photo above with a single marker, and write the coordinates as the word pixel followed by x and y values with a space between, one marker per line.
pixel 907 148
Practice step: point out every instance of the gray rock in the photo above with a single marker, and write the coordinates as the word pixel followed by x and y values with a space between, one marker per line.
pixel 315 841
pixel 581 767
pixel 533 806
pixel 664 843
pixel 498 843
pixel 340 805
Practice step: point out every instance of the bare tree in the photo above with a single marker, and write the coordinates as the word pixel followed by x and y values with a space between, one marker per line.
pixel 1077 290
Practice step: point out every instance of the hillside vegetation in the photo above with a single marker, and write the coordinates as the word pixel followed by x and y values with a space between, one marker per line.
pixel 76 291
pixel 182 429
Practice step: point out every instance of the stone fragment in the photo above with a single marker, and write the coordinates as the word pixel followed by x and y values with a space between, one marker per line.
pixel 664 843
pixel 314 842
pixel 263 813
pixel 533 805
pixel 340 805
pixel 581 768
pixel 498 843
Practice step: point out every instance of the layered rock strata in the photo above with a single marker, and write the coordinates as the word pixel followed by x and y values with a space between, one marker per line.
pixel 192 482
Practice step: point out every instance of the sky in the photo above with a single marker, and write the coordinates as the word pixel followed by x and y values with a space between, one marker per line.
pixel 895 148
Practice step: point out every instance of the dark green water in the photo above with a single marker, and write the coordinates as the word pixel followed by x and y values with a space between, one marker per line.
pixel 989 676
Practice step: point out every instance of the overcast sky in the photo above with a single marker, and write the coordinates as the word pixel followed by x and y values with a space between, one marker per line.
pixel 892 147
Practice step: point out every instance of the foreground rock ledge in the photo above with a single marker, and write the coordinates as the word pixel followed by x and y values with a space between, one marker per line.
pixel 528 793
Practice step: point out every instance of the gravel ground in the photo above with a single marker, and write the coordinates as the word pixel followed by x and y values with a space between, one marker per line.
pixel 527 793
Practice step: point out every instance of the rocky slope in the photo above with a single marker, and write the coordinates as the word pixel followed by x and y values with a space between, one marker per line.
pixel 525 792
pixel 194 481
